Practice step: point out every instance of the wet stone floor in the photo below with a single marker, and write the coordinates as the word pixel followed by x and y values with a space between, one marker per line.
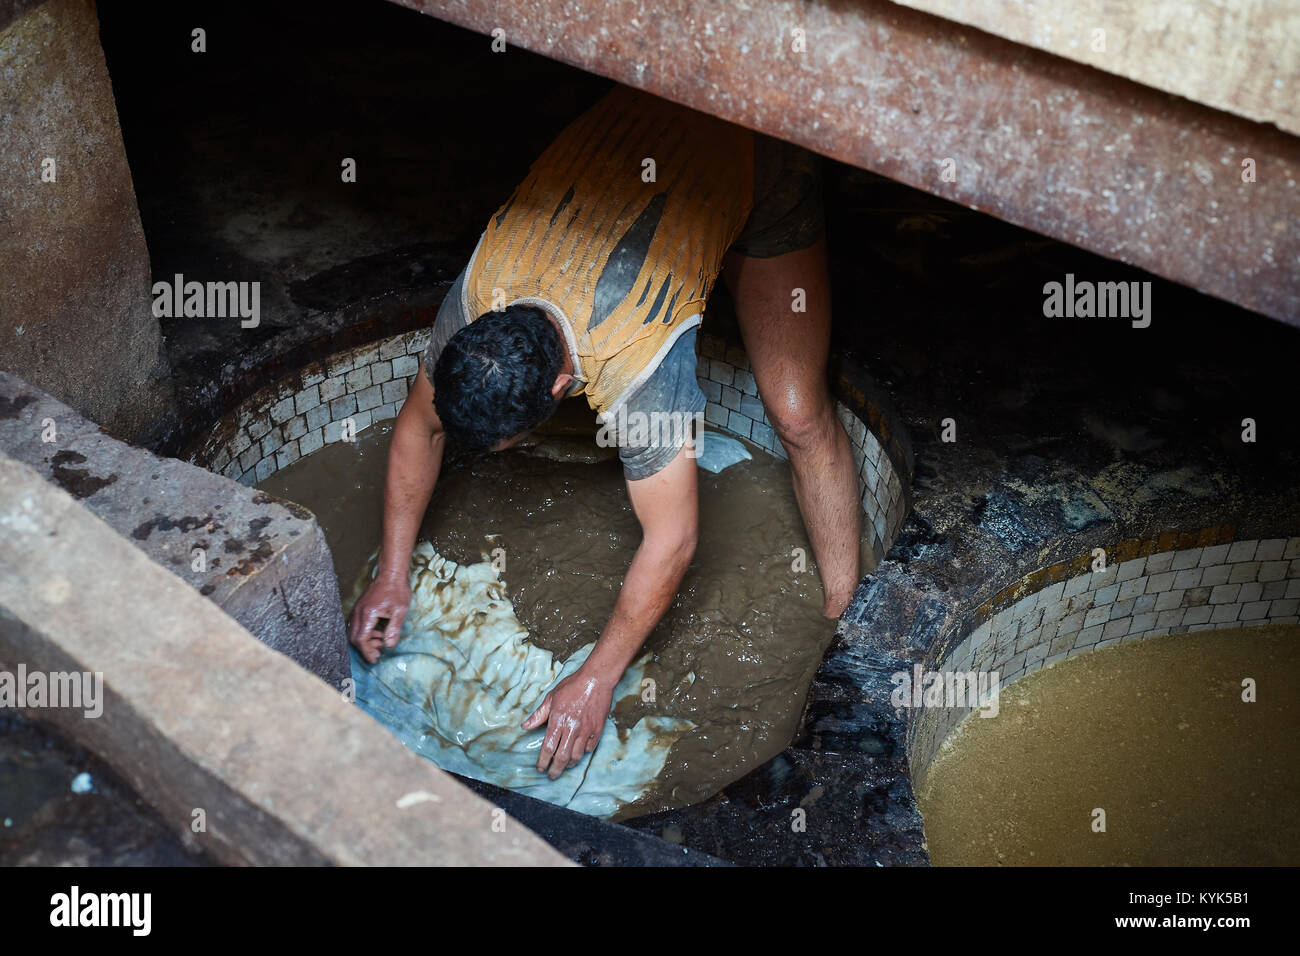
pixel 44 821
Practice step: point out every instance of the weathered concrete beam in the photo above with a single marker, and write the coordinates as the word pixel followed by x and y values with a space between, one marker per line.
pixel 263 561
pixel 1240 56
pixel 1106 164
pixel 209 725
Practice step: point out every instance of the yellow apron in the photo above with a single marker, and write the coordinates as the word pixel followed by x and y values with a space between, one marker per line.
pixel 619 232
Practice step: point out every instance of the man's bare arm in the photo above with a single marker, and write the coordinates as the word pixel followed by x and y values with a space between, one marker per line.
pixel 414 459
pixel 666 504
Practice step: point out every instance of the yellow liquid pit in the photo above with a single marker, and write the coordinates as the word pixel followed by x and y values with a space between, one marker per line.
pixel 735 652
pixel 1156 734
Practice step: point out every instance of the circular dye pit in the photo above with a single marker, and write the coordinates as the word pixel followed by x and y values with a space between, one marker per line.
pixel 734 654
pixel 1177 750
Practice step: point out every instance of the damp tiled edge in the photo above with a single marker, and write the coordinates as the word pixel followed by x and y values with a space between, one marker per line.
pixel 1068 609
pixel 367 384
pixel 733 405
pixel 302 412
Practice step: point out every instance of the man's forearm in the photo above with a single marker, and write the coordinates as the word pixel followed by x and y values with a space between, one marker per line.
pixel 648 589
pixel 414 459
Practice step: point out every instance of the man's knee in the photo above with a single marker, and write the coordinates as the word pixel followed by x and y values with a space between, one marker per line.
pixel 802 419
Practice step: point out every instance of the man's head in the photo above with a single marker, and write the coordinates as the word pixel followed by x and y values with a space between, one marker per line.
pixel 499 377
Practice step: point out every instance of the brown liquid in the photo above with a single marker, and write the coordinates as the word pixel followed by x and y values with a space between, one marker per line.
pixel 1156 734
pixel 746 627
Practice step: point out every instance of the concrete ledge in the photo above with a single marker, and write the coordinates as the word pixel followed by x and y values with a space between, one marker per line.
pixel 198 716
pixel 265 562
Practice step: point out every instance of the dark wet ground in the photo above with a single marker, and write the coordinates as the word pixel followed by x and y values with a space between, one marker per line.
pixel 43 822
pixel 1065 426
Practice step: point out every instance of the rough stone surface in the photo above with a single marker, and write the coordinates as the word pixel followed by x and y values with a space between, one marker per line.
pixel 265 561
pixel 198 716
pixel 75 303
pixel 806 808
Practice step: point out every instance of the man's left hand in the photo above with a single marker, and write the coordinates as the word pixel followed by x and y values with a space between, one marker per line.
pixel 577 708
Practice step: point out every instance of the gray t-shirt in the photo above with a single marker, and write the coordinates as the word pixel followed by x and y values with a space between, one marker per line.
pixel 672 388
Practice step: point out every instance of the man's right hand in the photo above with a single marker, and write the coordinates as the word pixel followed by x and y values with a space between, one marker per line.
pixel 414 457
pixel 387 597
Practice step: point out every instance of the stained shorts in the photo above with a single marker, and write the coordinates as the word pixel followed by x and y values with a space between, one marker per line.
pixel 787 214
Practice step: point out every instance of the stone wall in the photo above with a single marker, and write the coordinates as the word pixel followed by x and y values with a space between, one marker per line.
pixel 75 306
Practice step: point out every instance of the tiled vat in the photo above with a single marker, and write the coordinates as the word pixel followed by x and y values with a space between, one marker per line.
pixel 304 411
pixel 1045 618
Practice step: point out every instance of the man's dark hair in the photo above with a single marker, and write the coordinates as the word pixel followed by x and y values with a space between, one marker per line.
pixel 493 379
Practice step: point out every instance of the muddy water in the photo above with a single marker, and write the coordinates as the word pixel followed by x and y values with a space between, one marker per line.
pixel 735 653
pixel 1156 734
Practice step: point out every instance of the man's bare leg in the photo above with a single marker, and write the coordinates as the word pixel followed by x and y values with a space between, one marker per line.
pixel 788 350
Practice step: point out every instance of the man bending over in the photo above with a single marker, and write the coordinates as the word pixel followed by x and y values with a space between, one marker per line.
pixel 592 279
